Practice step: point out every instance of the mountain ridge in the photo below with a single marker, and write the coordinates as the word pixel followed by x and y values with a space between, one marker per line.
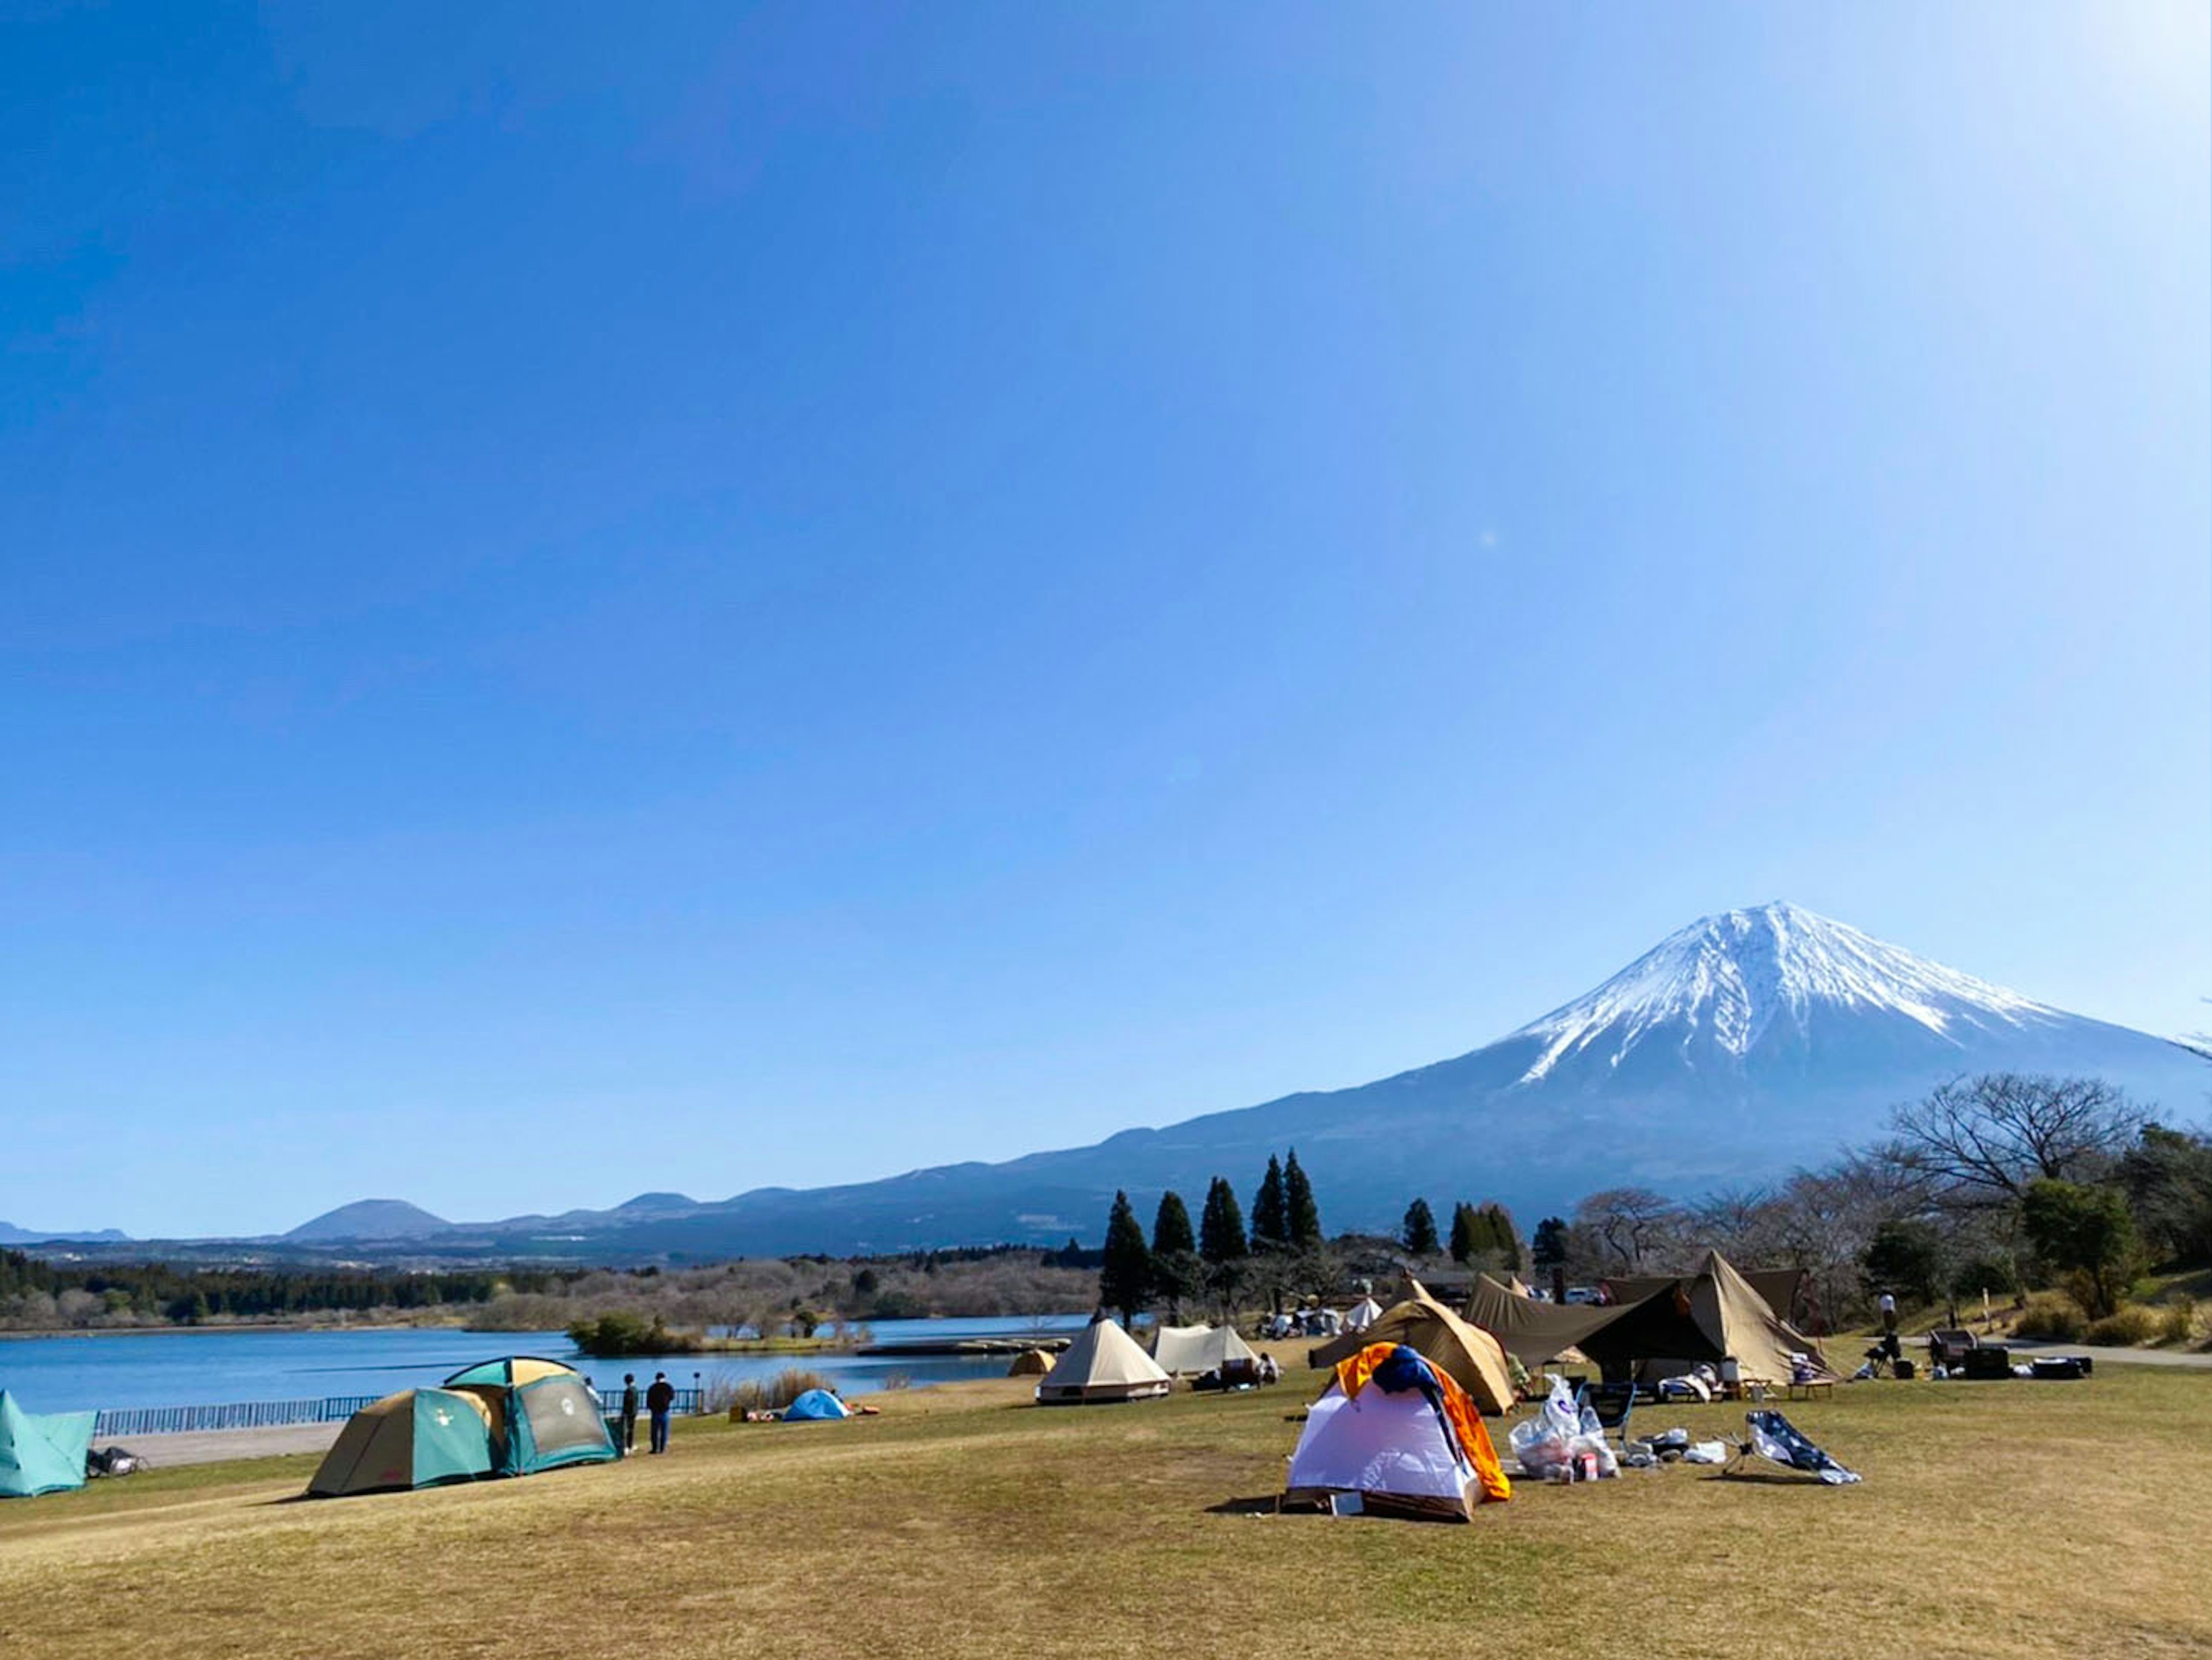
pixel 1745 1043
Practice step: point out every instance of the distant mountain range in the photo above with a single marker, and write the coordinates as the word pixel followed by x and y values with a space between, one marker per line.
pixel 12 1234
pixel 1743 1045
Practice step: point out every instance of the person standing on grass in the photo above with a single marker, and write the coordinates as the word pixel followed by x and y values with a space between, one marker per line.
pixel 1887 1304
pixel 660 1402
pixel 629 1413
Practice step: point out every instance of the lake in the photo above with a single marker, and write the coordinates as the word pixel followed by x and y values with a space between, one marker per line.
pixel 214 1367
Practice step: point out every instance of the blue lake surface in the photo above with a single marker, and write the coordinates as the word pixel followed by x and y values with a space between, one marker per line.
pixel 211 1368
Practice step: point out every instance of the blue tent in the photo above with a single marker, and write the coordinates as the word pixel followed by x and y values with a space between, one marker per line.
pixel 41 1454
pixel 816 1404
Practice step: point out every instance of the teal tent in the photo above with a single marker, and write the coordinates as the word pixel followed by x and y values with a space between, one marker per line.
pixel 41 1454
pixel 415 1439
pixel 544 1413
pixel 813 1405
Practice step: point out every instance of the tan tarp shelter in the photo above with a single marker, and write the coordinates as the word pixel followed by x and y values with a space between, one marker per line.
pixel 1712 1315
pixel 1103 1364
pixel 1778 1286
pixel 1532 1332
pixel 1363 1314
pixel 1188 1351
pixel 1439 1337
pixel 1030 1363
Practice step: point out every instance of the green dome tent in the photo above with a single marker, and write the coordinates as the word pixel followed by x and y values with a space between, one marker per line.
pixel 41 1453
pixel 543 1414
pixel 415 1439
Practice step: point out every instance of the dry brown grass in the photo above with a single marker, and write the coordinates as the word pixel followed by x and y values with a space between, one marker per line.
pixel 2018 1519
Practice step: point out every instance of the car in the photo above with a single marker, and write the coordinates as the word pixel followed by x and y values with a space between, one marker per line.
pixel 1582 1294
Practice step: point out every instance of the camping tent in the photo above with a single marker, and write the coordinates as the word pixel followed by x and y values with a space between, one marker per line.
pixel 1399 1432
pixel 1030 1363
pixel 1363 1314
pixel 415 1439
pixel 543 1414
pixel 41 1452
pixel 1711 1314
pixel 1777 1287
pixel 1473 1358
pixel 1532 1332
pixel 814 1406
pixel 1190 1351
pixel 1103 1364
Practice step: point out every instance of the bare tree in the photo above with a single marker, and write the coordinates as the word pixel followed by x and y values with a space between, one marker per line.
pixel 1979 1141
pixel 1634 1224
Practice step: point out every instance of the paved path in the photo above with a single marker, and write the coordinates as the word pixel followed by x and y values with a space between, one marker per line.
pixel 2195 1362
pixel 213 1446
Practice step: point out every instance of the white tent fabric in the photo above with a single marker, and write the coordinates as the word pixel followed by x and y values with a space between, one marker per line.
pixel 1389 1448
pixel 1363 1314
pixel 1103 1364
pixel 1187 1351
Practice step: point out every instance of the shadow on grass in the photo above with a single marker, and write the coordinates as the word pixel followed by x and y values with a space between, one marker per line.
pixel 1267 1505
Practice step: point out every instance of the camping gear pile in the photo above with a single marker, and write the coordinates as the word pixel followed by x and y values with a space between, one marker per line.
pixel 41 1452
pixel 1103 1365
pixel 1564 1442
pixel 517 1415
pixel 1395 1434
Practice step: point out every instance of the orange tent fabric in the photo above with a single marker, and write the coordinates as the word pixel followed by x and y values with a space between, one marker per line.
pixel 1353 1373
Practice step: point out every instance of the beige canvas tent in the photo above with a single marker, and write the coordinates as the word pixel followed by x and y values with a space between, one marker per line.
pixel 1190 1351
pixel 1778 1286
pixel 1712 1315
pixel 1426 1326
pixel 1363 1314
pixel 1103 1364
pixel 1030 1363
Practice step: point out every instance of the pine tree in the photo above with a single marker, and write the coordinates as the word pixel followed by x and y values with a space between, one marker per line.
pixel 1126 1280
pixel 1221 1225
pixel 1549 1248
pixel 1304 1216
pixel 1177 1276
pixel 1463 1246
pixel 1271 1214
pixel 1505 1238
pixel 1419 1236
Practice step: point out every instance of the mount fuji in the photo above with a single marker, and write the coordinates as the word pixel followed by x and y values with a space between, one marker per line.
pixel 1745 1045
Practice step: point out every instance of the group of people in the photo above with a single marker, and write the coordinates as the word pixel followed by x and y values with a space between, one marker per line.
pixel 659 1405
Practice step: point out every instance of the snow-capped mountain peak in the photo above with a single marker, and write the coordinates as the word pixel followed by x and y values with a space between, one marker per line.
pixel 1725 981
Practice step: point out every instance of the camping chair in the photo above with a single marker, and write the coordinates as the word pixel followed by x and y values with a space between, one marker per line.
pixel 1946 1347
pixel 1611 1404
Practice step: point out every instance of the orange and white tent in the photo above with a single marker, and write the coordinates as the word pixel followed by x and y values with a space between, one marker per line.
pixel 1400 1433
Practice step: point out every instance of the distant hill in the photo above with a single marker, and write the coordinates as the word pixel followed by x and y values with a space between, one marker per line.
pixel 370 1219
pixel 12 1234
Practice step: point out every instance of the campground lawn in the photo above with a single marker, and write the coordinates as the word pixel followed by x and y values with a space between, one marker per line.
pixel 2017 1519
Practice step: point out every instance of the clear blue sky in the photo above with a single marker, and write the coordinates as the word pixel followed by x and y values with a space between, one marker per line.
pixel 599 599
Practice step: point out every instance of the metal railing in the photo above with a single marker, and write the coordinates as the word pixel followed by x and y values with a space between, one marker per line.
pixel 274 1415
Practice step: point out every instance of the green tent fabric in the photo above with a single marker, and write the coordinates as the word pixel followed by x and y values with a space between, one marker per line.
pixel 41 1452
pixel 1532 1332
pixel 415 1439
pixel 544 1413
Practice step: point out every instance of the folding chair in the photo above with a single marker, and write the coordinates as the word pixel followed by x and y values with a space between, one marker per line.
pixel 1611 1404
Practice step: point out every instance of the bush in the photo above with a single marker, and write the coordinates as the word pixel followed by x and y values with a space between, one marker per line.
pixel 2176 1320
pixel 2053 1315
pixel 1992 1274
pixel 762 1395
pixel 2125 1328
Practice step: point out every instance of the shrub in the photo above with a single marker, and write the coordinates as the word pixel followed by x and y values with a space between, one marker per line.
pixel 2053 1315
pixel 2177 1321
pixel 1993 1275
pixel 2125 1328
pixel 762 1395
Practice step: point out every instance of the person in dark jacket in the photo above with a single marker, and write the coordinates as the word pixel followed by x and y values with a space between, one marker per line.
pixel 660 1402
pixel 629 1413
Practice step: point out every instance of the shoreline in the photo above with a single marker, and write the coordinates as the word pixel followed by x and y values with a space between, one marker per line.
pixel 226 1330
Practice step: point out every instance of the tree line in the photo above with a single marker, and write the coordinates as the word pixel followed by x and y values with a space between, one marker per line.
pixel 35 1292
pixel 1283 1252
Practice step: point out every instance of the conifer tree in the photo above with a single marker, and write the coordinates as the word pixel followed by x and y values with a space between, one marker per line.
pixel 1303 1216
pixel 1420 1234
pixel 1221 1225
pixel 1177 1274
pixel 1171 1225
pixel 1463 1245
pixel 1125 1282
pixel 1270 1213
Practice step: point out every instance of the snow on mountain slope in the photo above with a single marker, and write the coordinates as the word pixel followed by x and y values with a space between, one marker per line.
pixel 1723 982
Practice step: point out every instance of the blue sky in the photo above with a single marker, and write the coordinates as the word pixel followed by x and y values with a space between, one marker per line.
pixel 787 594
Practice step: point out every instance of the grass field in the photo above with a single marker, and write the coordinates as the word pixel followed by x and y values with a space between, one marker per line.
pixel 2015 1519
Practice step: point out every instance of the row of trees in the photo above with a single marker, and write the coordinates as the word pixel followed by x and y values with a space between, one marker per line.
pixel 1283 1252
pixel 1988 1183
pixel 37 1293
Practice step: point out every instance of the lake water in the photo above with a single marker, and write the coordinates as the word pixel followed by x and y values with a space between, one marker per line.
pixel 211 1368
